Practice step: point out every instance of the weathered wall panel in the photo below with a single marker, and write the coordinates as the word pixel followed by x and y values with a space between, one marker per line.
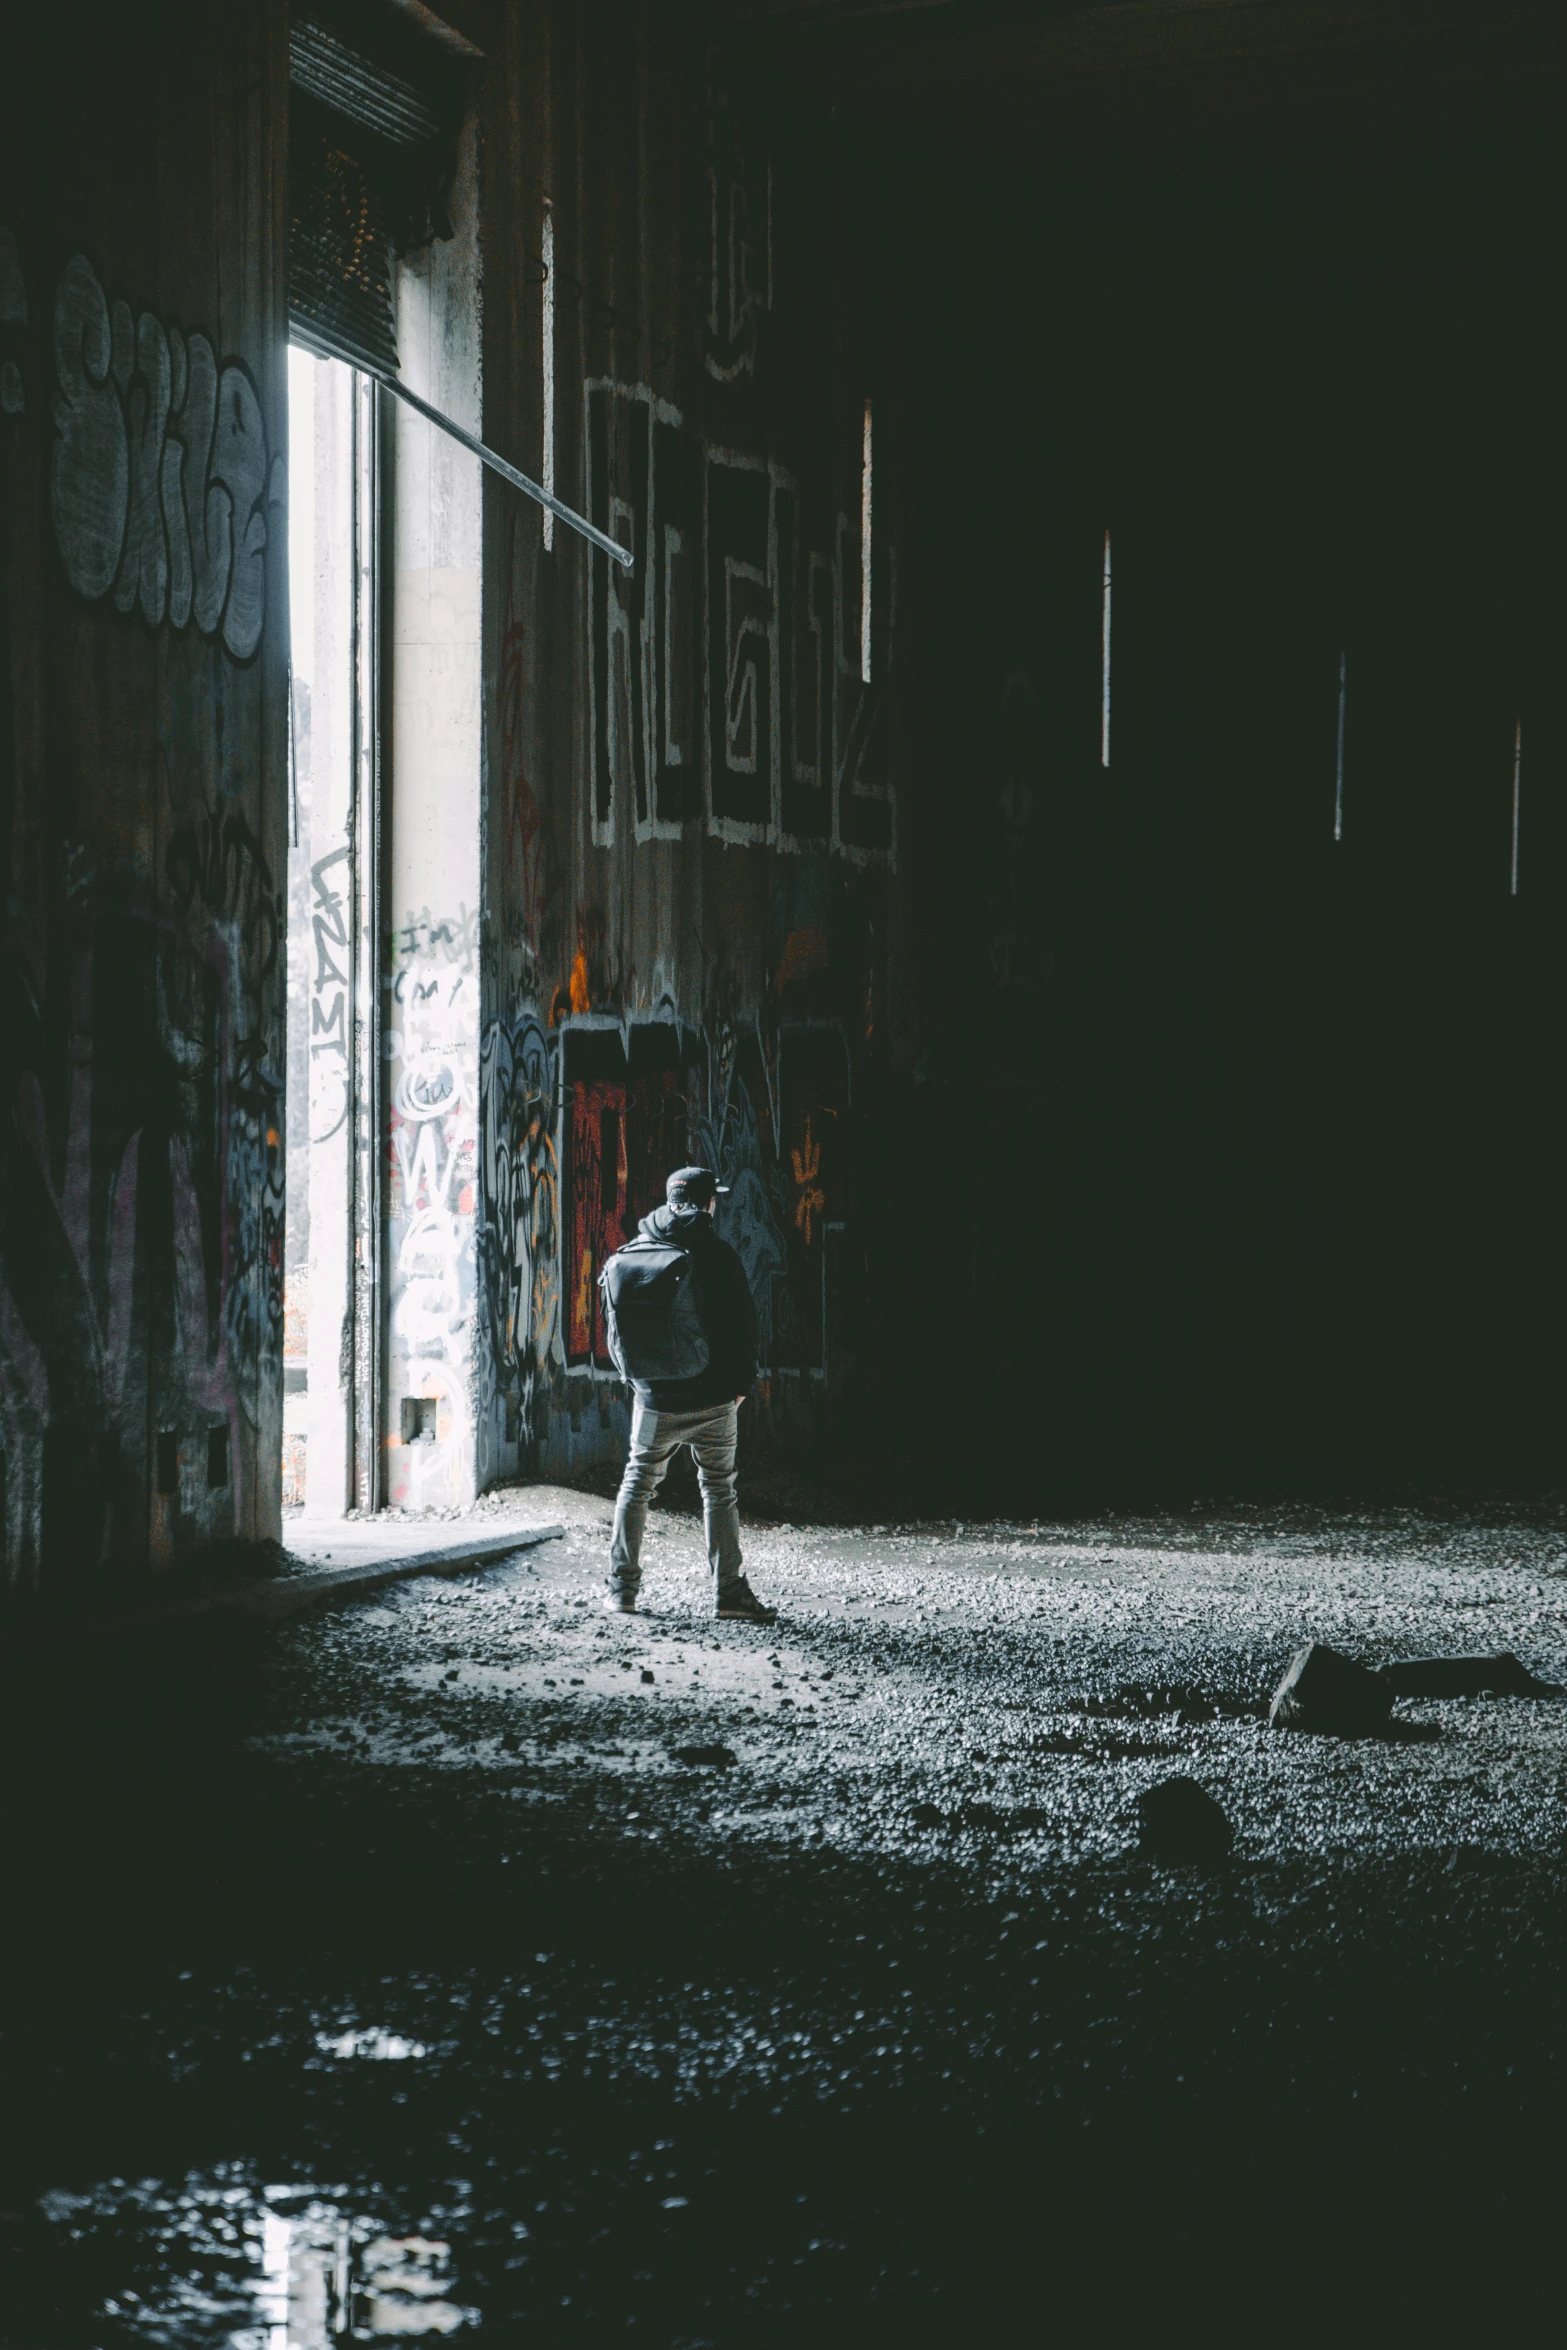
pixel 699 813
pixel 142 766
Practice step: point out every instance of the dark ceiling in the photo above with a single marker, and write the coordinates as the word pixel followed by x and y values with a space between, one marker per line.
pixel 1039 83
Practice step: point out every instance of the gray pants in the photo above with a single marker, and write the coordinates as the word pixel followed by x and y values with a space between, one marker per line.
pixel 656 1437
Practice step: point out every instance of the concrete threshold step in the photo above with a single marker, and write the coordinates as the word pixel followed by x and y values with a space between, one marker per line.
pixel 269 1599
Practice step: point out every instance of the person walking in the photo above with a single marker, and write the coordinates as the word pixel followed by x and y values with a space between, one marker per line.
pixel 682 1332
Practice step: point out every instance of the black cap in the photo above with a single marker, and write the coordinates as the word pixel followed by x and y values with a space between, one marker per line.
pixel 694 1187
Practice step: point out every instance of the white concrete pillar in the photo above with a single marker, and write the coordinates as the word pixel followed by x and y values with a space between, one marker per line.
pixel 432 779
pixel 318 1303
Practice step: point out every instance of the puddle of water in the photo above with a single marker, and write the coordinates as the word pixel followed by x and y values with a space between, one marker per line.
pixel 386 2047
pixel 235 2267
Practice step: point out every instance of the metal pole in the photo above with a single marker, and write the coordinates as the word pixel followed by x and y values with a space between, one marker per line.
pixel 519 481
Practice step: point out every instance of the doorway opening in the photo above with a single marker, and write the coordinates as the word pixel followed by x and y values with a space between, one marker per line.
pixel 380 1285
pixel 332 1351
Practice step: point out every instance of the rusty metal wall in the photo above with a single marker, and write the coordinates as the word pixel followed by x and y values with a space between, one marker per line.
pixel 700 820
pixel 143 768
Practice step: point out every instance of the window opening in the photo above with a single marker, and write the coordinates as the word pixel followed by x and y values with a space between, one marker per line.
pixel 865 549
pixel 419 1418
pixel 383 883
pixel 217 1456
pixel 329 1350
pixel 1517 785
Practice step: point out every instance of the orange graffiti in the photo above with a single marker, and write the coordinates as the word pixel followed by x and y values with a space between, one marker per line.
pixel 812 1199
pixel 581 1001
pixel 805 955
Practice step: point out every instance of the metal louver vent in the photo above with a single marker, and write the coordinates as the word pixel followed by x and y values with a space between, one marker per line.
pixel 367 90
pixel 339 252
pixel 376 105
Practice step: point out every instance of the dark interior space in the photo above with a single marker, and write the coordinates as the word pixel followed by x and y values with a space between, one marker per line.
pixel 1259 1114
pixel 929 629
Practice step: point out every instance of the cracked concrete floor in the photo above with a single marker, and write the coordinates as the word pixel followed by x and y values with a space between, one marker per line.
pixel 401 1946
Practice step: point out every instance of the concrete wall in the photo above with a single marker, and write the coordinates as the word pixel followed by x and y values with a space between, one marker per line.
pixel 705 832
pixel 641 889
pixel 143 628
pixel 1100 1122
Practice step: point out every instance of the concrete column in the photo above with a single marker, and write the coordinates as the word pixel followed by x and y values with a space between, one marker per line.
pixel 318 1299
pixel 432 779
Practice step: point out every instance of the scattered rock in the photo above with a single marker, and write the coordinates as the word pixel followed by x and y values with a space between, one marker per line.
pixel 1002 1819
pixel 1181 1822
pixel 1465 1676
pixel 646 1675
pixel 1325 1691
pixel 718 1758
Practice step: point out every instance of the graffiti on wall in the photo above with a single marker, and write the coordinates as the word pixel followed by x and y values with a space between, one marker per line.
pixel 214 858
pixel 521 1208
pixel 724 666
pixel 632 1116
pixel 597 1159
pixel 329 878
pixel 628 1117
pixel 814 1115
pixel 627 1106
pixel 141 1235
pixel 162 482
pixel 219 875
pixel 432 1203
pixel 524 837
pixel 740 240
pixel 738 1141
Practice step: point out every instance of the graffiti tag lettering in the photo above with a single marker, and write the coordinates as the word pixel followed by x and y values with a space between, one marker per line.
pixel 162 482
pixel 728 610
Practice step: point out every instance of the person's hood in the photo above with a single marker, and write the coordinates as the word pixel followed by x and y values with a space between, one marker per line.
pixel 679 1227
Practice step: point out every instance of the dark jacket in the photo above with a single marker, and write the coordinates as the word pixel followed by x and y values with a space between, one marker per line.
pixel 728 1315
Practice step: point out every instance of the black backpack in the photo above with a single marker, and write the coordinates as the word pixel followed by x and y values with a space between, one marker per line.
pixel 652 1312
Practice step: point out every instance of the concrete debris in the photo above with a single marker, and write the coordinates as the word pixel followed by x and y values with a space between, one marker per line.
pixel 1503 1675
pixel 1325 1691
pixel 718 1758
pixel 1182 1822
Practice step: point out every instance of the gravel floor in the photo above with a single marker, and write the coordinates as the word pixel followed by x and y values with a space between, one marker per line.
pixel 394 1970
pixel 1021 1682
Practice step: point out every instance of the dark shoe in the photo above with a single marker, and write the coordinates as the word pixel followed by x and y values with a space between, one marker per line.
pixel 620 1599
pixel 738 1604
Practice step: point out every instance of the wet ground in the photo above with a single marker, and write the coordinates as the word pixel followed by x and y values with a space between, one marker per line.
pixel 470 1962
